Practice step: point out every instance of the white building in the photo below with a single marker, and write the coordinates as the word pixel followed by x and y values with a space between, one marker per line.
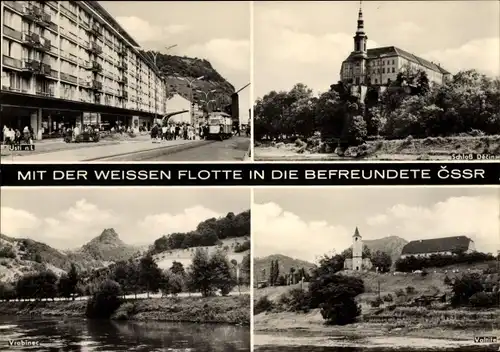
pixel 357 262
pixel 442 246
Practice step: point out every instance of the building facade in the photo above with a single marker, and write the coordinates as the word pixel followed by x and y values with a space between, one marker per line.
pixel 70 63
pixel 380 66
pixel 442 246
pixel 357 262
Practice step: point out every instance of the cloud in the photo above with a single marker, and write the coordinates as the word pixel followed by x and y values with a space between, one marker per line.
pixel 222 52
pixel 143 31
pixel 286 54
pixel 154 226
pixel 481 54
pixel 277 231
pixel 84 221
pixel 16 221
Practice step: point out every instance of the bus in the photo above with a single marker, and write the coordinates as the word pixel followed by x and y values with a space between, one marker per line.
pixel 220 126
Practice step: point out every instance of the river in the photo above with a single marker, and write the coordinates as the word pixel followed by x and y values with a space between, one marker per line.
pixel 289 343
pixel 82 335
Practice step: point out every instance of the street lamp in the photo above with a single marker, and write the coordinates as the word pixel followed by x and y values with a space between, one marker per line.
pixel 190 85
pixel 206 94
pixel 207 103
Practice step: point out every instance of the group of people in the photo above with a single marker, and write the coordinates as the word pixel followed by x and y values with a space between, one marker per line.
pixel 176 131
pixel 13 136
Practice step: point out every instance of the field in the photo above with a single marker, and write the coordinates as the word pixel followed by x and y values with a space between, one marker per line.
pixel 185 256
pixel 431 148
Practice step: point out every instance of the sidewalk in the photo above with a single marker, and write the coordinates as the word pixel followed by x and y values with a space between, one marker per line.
pixel 94 151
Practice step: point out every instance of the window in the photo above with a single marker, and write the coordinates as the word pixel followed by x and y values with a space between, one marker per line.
pixel 393 70
pixel 8 18
pixel 15 81
pixel 376 81
pixel 7 47
pixel 393 61
pixel 383 70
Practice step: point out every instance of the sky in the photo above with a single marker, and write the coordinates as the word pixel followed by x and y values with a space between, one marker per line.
pixel 308 223
pixel 68 218
pixel 218 31
pixel 306 41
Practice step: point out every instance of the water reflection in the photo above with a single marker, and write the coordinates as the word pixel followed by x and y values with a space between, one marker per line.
pixel 73 335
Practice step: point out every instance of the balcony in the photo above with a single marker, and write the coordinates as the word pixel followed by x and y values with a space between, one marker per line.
pixel 124 95
pixel 123 66
pixel 95 49
pixel 123 80
pixel 32 12
pixel 122 51
pixel 96 30
pixel 95 67
pixel 36 42
pixel 44 20
pixel 44 70
pixel 96 85
pixel 45 92
pixel 30 66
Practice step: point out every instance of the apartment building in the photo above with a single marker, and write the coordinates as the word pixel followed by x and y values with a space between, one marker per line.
pixel 67 63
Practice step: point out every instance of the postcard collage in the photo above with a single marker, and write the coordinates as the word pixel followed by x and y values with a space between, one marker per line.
pixel 337 167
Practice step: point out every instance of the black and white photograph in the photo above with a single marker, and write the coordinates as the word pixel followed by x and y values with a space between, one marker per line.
pixel 376 269
pixel 376 80
pixel 125 269
pixel 125 81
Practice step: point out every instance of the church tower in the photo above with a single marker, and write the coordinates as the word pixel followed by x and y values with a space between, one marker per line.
pixel 359 56
pixel 357 251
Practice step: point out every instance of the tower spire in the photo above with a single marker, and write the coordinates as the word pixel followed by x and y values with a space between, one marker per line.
pixel 361 23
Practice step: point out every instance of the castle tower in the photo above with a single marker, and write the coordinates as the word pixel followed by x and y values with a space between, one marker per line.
pixel 357 251
pixel 359 55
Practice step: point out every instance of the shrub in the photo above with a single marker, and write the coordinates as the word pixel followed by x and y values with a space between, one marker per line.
pixel 299 300
pixel 400 293
pixel 7 252
pixel 105 301
pixel 410 290
pixel 483 300
pixel 388 298
pixel 263 304
pixel 245 246
pixel 376 302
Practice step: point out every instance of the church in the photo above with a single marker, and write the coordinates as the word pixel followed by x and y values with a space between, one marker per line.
pixel 380 66
pixel 357 262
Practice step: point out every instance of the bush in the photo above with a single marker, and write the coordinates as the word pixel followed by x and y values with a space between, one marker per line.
pixel 105 301
pixel 299 300
pixel 400 293
pixel 447 281
pixel 245 246
pixel 7 252
pixel 263 304
pixel 410 290
pixel 376 302
pixel 388 298
pixel 484 300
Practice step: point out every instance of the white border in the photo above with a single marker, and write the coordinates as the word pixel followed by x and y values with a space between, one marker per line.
pixel 252 81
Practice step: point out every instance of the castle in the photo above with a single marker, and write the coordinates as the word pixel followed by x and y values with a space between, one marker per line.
pixel 357 262
pixel 380 66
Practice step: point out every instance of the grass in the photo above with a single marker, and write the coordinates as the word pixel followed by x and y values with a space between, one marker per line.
pixel 223 310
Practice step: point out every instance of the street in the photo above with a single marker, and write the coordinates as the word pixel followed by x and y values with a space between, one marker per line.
pixel 233 149
pixel 141 149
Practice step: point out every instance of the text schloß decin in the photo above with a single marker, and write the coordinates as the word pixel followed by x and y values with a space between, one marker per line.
pixel 133 175
pixel 370 174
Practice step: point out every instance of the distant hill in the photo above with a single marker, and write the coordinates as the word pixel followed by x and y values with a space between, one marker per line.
pixel 285 264
pixel 108 247
pixel 173 66
pixel 392 245
pixel 19 256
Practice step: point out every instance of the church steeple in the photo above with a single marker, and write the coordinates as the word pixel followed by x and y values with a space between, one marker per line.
pixel 360 38
pixel 356 233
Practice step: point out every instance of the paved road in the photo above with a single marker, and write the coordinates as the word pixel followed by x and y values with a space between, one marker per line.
pixel 233 149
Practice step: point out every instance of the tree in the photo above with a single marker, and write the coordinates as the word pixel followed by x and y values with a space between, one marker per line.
pixel 150 274
pixel 221 276
pixel 105 301
pixel 271 274
pixel 177 268
pixel 73 280
pixel 465 287
pixel 381 260
pixel 245 270
pixel 200 273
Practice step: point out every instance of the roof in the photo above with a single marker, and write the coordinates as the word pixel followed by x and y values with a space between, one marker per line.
pixel 389 51
pixel 356 233
pixel 444 244
pixel 393 51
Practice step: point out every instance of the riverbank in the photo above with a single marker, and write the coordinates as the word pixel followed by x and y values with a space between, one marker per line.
pixel 430 148
pixel 312 324
pixel 233 310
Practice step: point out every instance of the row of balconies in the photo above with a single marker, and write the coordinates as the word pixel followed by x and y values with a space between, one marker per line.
pixel 36 41
pixel 34 13
pixel 36 67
